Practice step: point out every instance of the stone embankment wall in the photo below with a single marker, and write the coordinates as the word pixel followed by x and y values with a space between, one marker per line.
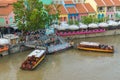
pixel 107 33
pixel 18 48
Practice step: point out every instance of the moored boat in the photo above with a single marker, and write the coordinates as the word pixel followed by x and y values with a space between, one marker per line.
pixel 4 48
pixel 93 46
pixel 33 59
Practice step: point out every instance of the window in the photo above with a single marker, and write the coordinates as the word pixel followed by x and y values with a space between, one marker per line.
pixel 75 17
pixel 109 9
pixel 117 8
pixel 60 18
pixel 111 16
pixel 100 9
pixel 90 15
pixel 2 21
pixel 64 18
pixel 71 17
pixel 6 21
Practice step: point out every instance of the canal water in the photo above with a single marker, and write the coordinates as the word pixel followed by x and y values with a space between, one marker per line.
pixel 71 64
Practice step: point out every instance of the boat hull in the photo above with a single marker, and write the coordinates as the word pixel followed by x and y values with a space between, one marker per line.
pixel 97 50
pixel 40 60
pixel 3 48
pixel 32 62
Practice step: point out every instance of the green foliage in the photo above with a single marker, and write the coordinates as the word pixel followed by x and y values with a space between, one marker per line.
pixel 101 20
pixel 88 20
pixel 70 22
pixel 31 15
pixel 52 17
pixel 76 22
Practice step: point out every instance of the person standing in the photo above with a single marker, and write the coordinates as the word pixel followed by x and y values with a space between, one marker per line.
pixel 0 34
pixel 1 31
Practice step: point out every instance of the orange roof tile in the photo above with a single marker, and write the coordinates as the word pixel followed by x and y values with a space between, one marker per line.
pixel 81 8
pixel 89 8
pixel 68 2
pixel 116 2
pixel 2 5
pixel 61 8
pixel 71 10
pixel 52 9
pixel 108 3
pixel 7 1
pixel 99 3
pixel 4 11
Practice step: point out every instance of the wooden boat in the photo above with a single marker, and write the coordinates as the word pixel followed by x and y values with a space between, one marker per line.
pixel 33 59
pixel 4 48
pixel 92 46
pixel 4 45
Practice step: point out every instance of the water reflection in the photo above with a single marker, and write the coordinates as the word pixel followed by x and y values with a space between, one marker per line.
pixel 95 54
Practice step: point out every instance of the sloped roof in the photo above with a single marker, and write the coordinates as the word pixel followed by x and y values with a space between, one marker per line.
pixel 68 2
pixel 108 2
pixel 81 8
pixel 61 8
pixel 3 5
pixel 71 10
pixel 4 11
pixel 99 3
pixel 116 2
pixel 52 9
pixel 7 1
pixel 89 8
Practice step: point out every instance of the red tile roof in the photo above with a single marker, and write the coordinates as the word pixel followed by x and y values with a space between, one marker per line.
pixel 52 9
pixel 5 11
pixel 61 8
pixel 116 2
pixel 2 5
pixel 89 8
pixel 81 8
pixel 7 1
pixel 99 3
pixel 68 2
pixel 108 2
pixel 71 10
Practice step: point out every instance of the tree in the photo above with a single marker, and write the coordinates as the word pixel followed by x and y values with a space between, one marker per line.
pixel 87 20
pixel 54 16
pixel 31 15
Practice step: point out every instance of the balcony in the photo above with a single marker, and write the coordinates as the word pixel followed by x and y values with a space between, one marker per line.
pixel 100 11
pixel 117 10
pixel 110 10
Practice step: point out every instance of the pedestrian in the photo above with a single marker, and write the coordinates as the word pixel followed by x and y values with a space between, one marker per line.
pixel 0 34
